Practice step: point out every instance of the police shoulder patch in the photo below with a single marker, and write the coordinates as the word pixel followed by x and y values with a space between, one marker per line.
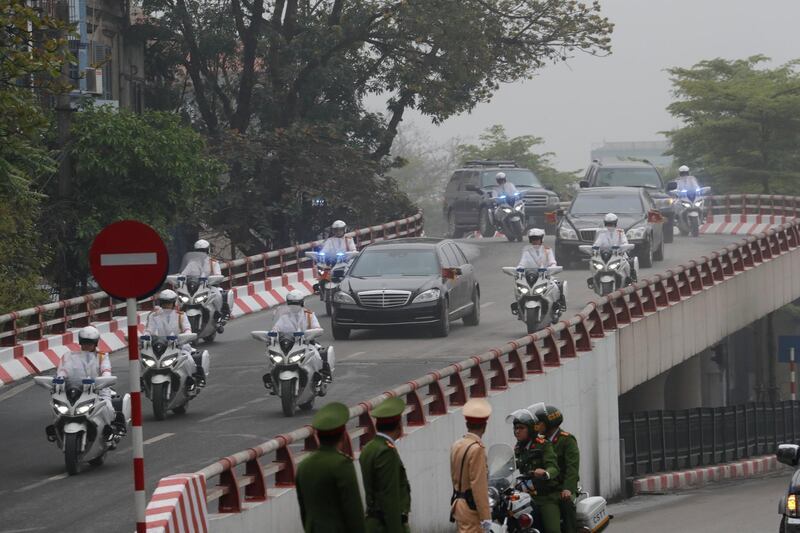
pixel 565 434
pixel 390 445
pixel 540 440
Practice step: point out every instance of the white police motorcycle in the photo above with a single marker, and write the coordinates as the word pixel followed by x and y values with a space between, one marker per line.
pixel 331 269
pixel 536 296
pixel 689 208
pixel 294 366
pixel 511 505
pixel 610 268
pixel 82 426
pixel 508 216
pixel 167 376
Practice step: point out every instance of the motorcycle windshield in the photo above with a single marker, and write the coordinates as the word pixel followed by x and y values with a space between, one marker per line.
pixel 194 264
pixel 501 465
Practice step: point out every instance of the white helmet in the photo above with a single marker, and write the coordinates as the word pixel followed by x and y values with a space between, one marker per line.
pixel 295 297
pixel 202 246
pixel 338 224
pixel 535 233
pixel 167 296
pixel 89 334
pixel 683 168
pixel 500 176
pixel 610 219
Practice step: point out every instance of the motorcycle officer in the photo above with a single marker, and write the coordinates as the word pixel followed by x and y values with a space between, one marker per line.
pixel 337 242
pixel 89 363
pixel 504 187
pixel 686 182
pixel 536 457
pixel 613 236
pixel 296 317
pixel 209 267
pixel 537 255
pixel 165 320
pixel 549 420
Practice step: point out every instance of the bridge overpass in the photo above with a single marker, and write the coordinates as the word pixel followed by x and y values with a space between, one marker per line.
pixel 594 353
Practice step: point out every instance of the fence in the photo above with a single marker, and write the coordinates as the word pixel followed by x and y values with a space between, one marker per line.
pixel 55 318
pixel 243 478
pixel 662 441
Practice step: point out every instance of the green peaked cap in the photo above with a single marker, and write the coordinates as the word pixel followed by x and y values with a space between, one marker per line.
pixel 330 417
pixel 389 408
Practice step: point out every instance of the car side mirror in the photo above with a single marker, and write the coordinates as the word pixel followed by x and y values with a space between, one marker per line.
pixel 788 454
pixel 583 184
pixel 451 273
pixel 654 217
pixel 672 186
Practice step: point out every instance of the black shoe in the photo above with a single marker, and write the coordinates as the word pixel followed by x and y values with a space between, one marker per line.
pixel 327 377
pixel 515 308
pixel 267 379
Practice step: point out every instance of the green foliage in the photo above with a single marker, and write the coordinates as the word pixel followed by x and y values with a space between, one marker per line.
pixel 741 124
pixel 145 167
pixel 30 59
pixel 495 144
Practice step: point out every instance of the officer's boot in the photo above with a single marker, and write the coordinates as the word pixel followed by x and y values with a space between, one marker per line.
pixel 200 372
pixel 326 374
pixel 267 379
pixel 226 309
pixel 119 423
pixel 515 308
pixel 633 271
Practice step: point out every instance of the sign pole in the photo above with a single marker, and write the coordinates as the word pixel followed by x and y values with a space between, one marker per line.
pixel 136 415
pixel 792 378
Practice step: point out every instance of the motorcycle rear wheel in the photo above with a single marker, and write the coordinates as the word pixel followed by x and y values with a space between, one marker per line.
pixel 288 400
pixel 159 395
pixel 71 452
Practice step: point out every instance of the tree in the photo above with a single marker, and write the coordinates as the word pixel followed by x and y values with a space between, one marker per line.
pixel 740 123
pixel 145 167
pixel 298 71
pixel 31 56
pixel 495 144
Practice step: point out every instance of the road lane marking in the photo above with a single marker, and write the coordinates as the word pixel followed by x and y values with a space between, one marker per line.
pixel 223 413
pixel 16 390
pixel 487 304
pixel 128 259
pixel 158 438
pixel 257 400
pixel 346 357
pixel 42 482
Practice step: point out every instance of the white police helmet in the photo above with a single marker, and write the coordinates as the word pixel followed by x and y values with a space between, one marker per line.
pixel 167 296
pixel 500 176
pixel 535 233
pixel 88 335
pixel 610 219
pixel 683 168
pixel 295 297
pixel 338 224
pixel 202 246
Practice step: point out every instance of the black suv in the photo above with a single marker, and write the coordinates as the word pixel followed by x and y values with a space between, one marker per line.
pixel 634 174
pixel 467 197
pixel 407 282
pixel 637 214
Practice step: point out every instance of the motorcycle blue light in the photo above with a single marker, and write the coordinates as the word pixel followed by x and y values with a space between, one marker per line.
pixel 298 334
pixel 272 334
pixel 172 337
pixel 87 381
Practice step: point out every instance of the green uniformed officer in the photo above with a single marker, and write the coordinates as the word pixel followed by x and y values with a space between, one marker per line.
pixel 386 487
pixel 569 461
pixel 536 457
pixel 326 482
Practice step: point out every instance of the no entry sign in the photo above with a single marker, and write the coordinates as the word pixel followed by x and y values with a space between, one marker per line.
pixel 128 259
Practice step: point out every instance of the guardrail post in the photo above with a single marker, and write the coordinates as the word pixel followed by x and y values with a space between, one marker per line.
pixel 35 334
pixel 597 330
pixel 568 349
pixel 478 389
pixel 286 477
pixel 609 323
pixel 230 502
pixel 459 396
pixel 417 415
pixel 256 491
pixel 637 309
pixel 584 340
pixel 552 357
pixel 500 380
pixel 706 276
pixel 673 292
pixel 311 442
pixel 534 365
pixel 624 315
pixel 365 421
pixel 516 371
pixel 438 406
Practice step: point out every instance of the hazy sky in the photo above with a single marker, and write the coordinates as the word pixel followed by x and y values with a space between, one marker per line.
pixel 623 97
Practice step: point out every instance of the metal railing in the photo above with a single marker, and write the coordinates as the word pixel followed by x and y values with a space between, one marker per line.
pixel 246 476
pixel 58 317
pixel 662 441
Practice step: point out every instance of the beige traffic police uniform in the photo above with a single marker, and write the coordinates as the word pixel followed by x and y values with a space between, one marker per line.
pixel 470 474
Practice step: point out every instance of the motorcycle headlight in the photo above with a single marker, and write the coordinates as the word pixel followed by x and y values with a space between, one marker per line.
pixel 698 203
pixel 523 289
pixel 342 297
pixel 636 232
pixel 275 357
pixel 540 289
pixel 519 207
pixel 296 357
pixel 201 299
pixel 184 299
pixel 60 407
pixel 431 295
pixel 613 265
pixel 684 203
pixel 169 361
pixel 597 265
pixel 567 233
pixel 85 407
pixel 148 361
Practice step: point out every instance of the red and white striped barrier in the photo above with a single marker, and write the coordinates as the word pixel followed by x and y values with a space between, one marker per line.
pixel 178 505
pixel 697 477
pixel 35 357
pixel 742 224
pixel 478 235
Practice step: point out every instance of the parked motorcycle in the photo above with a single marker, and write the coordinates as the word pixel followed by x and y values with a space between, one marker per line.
pixel 294 368
pixel 331 270
pixel 203 306
pixel 508 216
pixel 536 296
pixel 689 209
pixel 512 506
pixel 610 268
pixel 82 426
pixel 167 376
